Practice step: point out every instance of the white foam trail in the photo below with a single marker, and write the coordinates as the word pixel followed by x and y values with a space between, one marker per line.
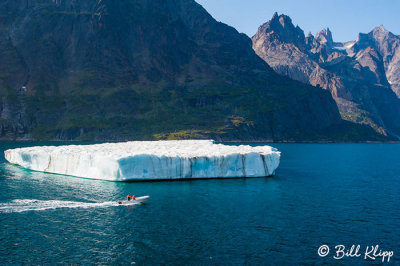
pixel 23 205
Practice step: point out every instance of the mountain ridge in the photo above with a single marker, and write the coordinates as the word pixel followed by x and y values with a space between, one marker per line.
pixel 147 69
pixel 356 73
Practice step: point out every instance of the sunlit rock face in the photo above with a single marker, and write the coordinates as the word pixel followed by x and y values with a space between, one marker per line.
pixel 362 75
pixel 150 160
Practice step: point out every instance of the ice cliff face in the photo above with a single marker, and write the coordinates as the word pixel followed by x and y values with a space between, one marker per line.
pixel 146 160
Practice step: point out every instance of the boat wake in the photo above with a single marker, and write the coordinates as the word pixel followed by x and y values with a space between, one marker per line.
pixel 23 205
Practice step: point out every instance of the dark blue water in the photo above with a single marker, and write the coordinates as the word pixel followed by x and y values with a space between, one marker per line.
pixel 322 194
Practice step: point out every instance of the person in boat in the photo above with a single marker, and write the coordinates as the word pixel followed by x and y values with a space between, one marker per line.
pixel 128 197
pixel 133 197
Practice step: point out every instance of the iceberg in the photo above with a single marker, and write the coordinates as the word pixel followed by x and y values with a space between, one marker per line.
pixel 150 160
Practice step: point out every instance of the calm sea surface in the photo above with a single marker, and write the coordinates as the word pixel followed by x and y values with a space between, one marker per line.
pixel 333 194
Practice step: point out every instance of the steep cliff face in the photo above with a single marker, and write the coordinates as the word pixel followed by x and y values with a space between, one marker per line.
pixel 291 54
pixel 358 74
pixel 147 69
pixel 386 47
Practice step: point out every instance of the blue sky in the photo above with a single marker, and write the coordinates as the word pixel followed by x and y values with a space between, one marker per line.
pixel 345 18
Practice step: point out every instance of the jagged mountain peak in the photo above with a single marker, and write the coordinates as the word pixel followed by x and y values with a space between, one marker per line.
pixel 281 19
pixel 381 34
pixel 354 72
pixel 381 28
pixel 379 38
pixel 326 31
pixel 325 37
pixel 280 22
pixel 281 28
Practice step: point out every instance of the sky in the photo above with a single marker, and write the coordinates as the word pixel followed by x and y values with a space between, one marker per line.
pixel 345 18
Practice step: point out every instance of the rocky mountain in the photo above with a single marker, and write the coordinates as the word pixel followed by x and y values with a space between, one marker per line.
pixel 387 45
pixel 148 69
pixel 362 75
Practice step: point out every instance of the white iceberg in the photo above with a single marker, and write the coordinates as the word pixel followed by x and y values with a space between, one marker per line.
pixel 149 160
